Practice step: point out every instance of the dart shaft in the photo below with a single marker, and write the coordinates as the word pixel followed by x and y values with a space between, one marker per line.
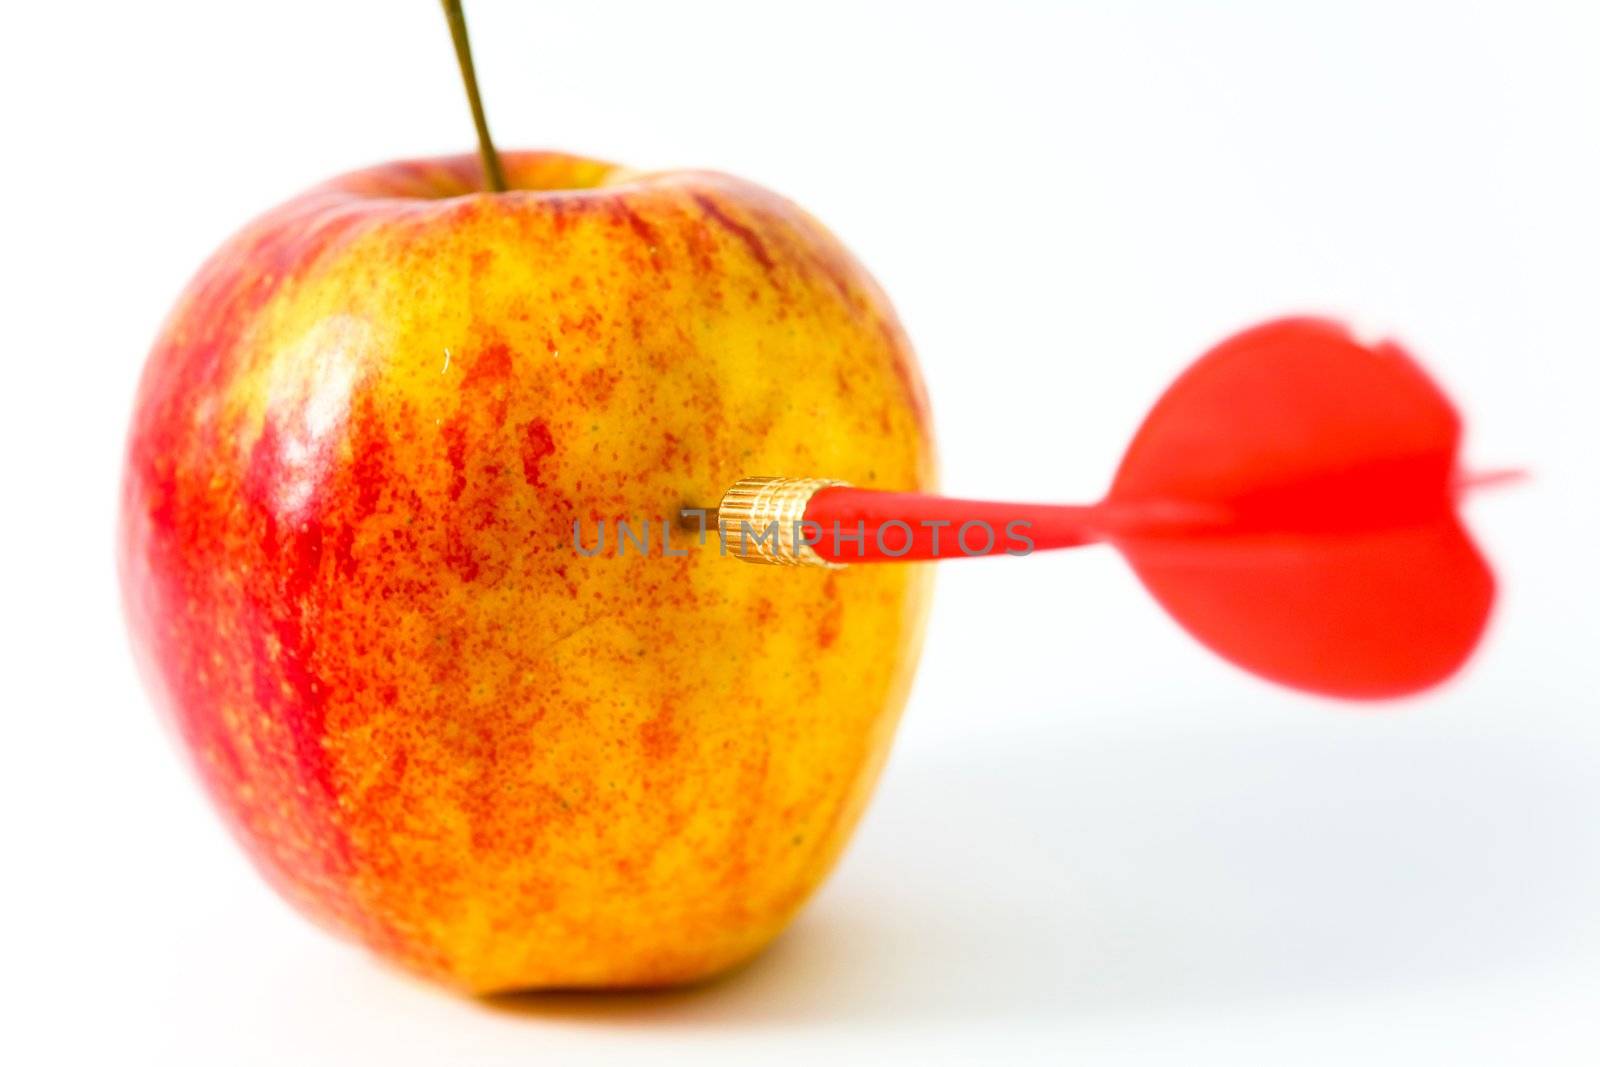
pixel 803 521
pixel 865 525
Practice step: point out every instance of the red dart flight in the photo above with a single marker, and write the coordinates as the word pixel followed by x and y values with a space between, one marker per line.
pixel 1290 501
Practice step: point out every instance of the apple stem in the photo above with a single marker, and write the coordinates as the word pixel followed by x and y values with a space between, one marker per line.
pixel 493 175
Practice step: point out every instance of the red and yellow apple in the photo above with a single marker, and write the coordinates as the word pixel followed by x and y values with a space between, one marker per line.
pixel 359 450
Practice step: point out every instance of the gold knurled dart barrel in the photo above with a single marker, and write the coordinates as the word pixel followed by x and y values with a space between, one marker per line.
pixel 758 520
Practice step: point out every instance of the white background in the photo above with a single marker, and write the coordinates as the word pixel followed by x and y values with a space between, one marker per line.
pixel 1094 840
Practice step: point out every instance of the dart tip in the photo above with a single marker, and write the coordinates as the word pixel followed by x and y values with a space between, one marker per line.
pixel 697 516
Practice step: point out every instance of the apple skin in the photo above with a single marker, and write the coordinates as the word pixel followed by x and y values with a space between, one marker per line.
pixel 346 546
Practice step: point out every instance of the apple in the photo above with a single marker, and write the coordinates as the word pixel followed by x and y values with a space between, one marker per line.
pixel 360 448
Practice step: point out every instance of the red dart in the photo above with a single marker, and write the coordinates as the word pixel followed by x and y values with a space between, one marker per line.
pixel 1290 501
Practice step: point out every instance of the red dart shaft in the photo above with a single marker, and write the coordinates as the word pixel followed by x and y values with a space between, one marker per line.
pixel 810 521
pixel 865 526
pixel 849 525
